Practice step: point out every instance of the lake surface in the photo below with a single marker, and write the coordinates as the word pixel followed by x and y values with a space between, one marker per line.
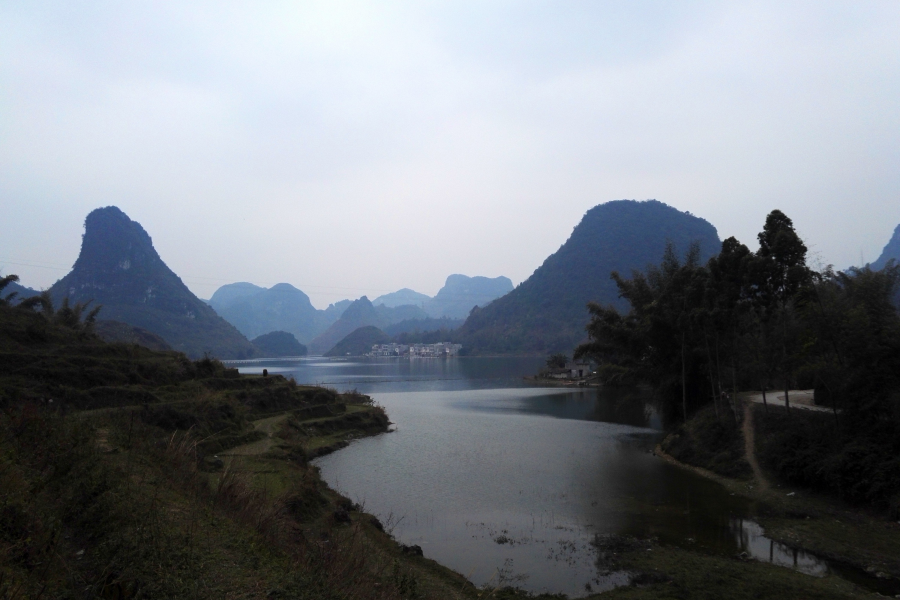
pixel 511 484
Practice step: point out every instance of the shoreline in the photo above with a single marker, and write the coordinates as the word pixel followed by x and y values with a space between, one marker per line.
pixel 852 539
pixel 575 383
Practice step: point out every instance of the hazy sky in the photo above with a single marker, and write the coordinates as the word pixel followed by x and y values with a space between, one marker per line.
pixel 358 148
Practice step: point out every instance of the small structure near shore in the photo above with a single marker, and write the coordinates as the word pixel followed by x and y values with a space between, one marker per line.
pixel 571 372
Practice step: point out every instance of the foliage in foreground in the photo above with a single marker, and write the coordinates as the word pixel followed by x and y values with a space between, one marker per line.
pixel 111 486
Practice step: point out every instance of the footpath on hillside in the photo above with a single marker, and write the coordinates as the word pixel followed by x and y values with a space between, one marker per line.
pixel 864 542
pixel 750 447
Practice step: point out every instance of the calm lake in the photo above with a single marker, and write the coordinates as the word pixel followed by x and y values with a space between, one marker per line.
pixel 507 483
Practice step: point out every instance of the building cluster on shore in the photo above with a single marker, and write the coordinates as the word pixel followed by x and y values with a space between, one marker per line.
pixel 416 350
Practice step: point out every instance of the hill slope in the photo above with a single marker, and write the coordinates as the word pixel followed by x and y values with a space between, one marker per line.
pixel 21 292
pixel 279 343
pixel 362 313
pixel 401 297
pixel 232 292
pixel 279 308
pixel 359 341
pixel 461 293
pixel 116 332
pixel 892 250
pixel 119 268
pixel 546 313
pixel 256 310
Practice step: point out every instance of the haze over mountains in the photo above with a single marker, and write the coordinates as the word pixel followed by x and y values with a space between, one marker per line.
pixel 256 310
pixel 455 300
pixel 119 268
pixel 891 251
pixel 362 313
pixel 401 297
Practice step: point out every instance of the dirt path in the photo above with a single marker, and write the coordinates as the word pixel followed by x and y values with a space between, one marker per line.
pixel 750 447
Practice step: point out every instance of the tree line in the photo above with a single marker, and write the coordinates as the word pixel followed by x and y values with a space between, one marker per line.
pixel 746 320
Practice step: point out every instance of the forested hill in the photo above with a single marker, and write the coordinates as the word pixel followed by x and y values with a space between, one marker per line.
pixel 359 342
pixel 547 312
pixel 119 269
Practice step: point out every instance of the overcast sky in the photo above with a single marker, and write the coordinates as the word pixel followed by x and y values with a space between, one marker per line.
pixel 358 148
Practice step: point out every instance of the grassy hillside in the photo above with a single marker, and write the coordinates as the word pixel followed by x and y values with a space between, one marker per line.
pixel 129 473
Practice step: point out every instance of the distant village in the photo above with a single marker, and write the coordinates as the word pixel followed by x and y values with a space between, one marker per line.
pixel 416 350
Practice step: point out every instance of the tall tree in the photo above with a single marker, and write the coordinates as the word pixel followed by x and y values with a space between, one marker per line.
pixel 657 340
pixel 781 272
pixel 727 301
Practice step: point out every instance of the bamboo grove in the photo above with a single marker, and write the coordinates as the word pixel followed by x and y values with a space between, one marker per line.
pixel 760 320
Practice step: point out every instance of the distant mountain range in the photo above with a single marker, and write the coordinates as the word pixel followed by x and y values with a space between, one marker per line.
pixel 362 313
pixel 891 251
pixel 359 341
pixel 455 300
pixel 119 269
pixel 547 312
pixel 257 310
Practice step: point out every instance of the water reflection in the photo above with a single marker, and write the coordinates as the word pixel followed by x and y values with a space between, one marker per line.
pixel 626 407
pixel 512 484
pixel 369 375
pixel 489 485
pixel 749 536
